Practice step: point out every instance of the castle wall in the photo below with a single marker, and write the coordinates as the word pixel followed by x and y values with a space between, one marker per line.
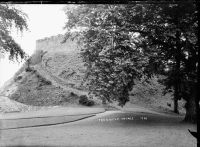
pixel 36 58
pixel 51 44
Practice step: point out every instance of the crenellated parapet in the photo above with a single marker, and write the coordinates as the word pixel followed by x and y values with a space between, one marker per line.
pixel 54 43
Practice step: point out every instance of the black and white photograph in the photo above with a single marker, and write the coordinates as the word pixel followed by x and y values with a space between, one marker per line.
pixel 88 74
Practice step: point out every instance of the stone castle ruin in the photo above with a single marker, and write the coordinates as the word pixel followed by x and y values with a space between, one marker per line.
pixel 60 59
pixel 51 45
pixel 54 43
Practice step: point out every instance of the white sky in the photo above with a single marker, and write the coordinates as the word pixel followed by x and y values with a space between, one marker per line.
pixel 43 21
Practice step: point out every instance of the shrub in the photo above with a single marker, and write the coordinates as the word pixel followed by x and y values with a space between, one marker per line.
pixel 43 80
pixel 85 101
pixel 72 94
pixel 28 69
pixel 18 78
pixel 47 82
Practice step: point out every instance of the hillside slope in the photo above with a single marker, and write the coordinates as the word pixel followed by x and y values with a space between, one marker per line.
pixel 54 76
pixel 49 76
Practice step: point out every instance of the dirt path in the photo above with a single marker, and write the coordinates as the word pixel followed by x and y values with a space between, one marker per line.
pixel 58 81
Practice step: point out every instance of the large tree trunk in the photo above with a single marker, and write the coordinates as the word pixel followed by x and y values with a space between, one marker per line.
pixel 176 106
pixel 198 81
pixel 177 74
pixel 176 97
pixel 190 106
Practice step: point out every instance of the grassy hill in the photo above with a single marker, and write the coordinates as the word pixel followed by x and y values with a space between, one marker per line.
pixel 51 77
pixel 149 94
pixel 54 76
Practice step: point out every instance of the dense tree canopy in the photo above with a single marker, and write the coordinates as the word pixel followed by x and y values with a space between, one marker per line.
pixel 110 49
pixel 171 33
pixel 124 42
pixel 174 36
pixel 10 17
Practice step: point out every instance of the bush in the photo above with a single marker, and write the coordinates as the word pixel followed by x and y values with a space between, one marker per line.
pixel 18 78
pixel 47 82
pixel 28 69
pixel 84 101
pixel 72 94
pixel 43 80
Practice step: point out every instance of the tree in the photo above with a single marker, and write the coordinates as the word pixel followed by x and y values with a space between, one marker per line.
pixel 172 32
pixel 11 17
pixel 123 42
pixel 110 51
pixel 197 98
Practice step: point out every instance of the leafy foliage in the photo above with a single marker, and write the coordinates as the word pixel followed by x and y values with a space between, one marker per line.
pixel 109 50
pixel 11 17
pixel 85 101
pixel 122 42
pixel 173 35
